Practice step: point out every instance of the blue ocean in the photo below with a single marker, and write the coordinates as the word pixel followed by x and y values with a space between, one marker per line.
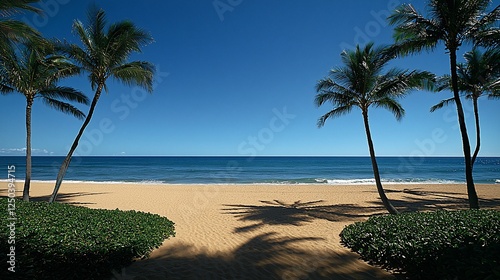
pixel 255 170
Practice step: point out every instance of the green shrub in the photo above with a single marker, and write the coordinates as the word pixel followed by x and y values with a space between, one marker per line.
pixel 60 241
pixel 431 245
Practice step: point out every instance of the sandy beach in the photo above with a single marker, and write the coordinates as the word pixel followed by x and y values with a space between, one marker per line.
pixel 259 231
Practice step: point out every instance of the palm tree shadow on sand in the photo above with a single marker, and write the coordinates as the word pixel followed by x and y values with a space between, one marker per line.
pixel 66 198
pixel 265 256
pixel 277 212
pixel 69 198
pixel 416 199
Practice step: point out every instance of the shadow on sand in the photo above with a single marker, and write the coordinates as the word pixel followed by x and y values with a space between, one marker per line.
pixel 265 256
pixel 277 212
pixel 272 256
pixel 67 198
pixel 280 213
pixel 415 199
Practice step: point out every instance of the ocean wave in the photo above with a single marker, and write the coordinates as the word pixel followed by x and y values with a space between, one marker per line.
pixel 497 181
pixel 345 181
pixel 152 182
pixel 384 181
pixel 351 182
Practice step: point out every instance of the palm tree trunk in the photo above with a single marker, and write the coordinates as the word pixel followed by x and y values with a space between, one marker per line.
pixel 26 190
pixel 478 131
pixel 67 160
pixel 471 189
pixel 376 173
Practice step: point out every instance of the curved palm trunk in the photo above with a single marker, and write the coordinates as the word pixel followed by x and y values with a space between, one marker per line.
pixel 376 173
pixel 471 189
pixel 67 160
pixel 478 131
pixel 26 190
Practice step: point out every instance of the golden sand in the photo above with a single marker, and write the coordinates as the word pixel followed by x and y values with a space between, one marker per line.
pixel 259 231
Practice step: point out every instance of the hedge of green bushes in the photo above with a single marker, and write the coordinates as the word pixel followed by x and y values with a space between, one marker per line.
pixel 431 245
pixel 60 241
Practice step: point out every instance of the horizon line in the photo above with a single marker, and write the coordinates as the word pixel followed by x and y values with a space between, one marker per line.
pixel 246 156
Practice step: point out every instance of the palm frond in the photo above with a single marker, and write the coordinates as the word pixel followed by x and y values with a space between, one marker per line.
pixel 12 68
pixel 123 39
pixel 8 57
pixel 336 98
pixel 17 31
pixel 328 85
pixel 380 56
pixel 413 32
pixel 84 36
pixel 95 31
pixel 12 7
pixel 339 111
pixel 422 80
pixel 398 82
pixel 65 93
pixel 392 105
pixel 404 14
pixel 442 103
pixel 494 95
pixel 77 54
pixel 416 45
pixel 343 76
pixel 135 73
pixel 483 32
pixel 443 83
pixel 64 107
pixel 488 38
pixel 5 88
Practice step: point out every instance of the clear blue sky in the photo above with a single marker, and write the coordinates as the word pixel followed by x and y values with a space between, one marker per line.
pixel 237 77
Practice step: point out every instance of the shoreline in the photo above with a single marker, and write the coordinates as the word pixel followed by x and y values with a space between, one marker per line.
pixel 259 231
pixel 366 182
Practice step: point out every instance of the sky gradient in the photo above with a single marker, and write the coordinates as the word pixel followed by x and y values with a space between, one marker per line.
pixel 237 77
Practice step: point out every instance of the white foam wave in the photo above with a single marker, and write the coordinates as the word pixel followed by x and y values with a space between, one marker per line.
pixel 497 181
pixel 151 182
pixel 385 181
pixel 351 182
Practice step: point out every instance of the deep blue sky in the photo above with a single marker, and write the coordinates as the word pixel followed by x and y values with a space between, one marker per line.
pixel 237 77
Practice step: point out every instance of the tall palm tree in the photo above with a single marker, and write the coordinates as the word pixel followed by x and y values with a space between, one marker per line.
pixel 104 55
pixel 451 22
pixel 362 83
pixel 479 76
pixel 14 29
pixel 34 72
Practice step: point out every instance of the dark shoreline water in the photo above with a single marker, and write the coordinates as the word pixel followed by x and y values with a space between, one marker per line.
pixel 255 170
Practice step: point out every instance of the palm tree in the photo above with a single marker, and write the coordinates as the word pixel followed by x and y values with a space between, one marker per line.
pixel 452 22
pixel 104 55
pixel 362 83
pixel 13 29
pixel 478 76
pixel 34 72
